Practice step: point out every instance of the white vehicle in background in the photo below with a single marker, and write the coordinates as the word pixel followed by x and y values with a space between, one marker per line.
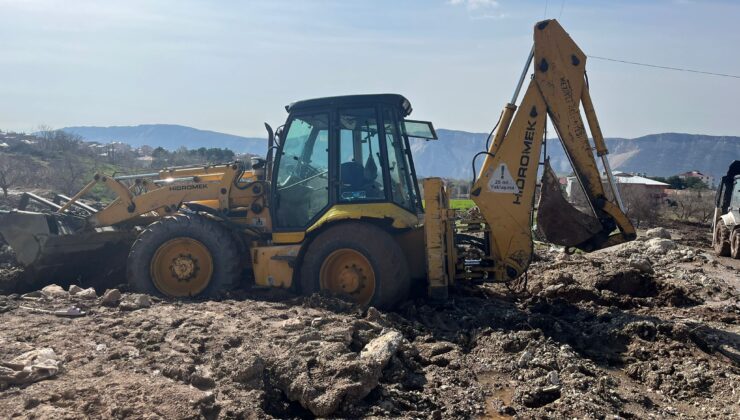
pixel 726 221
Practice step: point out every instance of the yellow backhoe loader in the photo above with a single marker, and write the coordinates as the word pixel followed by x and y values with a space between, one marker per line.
pixel 336 205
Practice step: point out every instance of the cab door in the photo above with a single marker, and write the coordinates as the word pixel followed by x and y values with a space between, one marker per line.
pixel 301 181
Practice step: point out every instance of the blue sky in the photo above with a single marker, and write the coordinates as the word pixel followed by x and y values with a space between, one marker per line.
pixel 229 65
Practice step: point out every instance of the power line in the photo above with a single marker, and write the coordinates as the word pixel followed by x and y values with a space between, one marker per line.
pixel 664 67
pixel 544 16
pixel 562 5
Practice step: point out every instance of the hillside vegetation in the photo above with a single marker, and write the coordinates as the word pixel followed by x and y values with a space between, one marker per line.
pixel 63 162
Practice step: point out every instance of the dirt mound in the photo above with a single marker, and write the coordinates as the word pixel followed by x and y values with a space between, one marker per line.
pixel 633 332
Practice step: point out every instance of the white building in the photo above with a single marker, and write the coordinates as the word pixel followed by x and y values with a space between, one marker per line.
pixel 628 184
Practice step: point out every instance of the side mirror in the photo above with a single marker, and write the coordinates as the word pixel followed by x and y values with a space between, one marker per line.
pixel 420 129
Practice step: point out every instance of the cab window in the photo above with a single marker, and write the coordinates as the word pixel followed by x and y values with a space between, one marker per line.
pixel 401 181
pixel 360 170
pixel 302 182
pixel 735 201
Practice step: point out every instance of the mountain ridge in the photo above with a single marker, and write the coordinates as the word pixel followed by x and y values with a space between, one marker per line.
pixel 662 154
pixel 169 136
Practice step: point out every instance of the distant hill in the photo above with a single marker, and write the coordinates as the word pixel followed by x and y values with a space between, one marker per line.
pixel 170 137
pixel 656 154
pixel 450 157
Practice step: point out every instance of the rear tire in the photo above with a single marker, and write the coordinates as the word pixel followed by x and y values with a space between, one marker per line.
pixel 735 244
pixel 359 243
pixel 722 239
pixel 183 256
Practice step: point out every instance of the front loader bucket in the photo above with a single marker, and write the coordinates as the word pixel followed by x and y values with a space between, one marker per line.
pixel 557 220
pixel 55 249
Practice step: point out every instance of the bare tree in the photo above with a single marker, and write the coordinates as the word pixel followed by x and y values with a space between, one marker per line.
pixel 57 140
pixel 68 173
pixel 693 204
pixel 14 170
pixel 641 206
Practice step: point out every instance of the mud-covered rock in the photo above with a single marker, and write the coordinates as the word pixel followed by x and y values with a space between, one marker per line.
pixel 111 297
pixel 643 265
pixel 659 246
pixel 380 350
pixel 88 293
pixel 54 291
pixel 133 302
pixel 250 372
pixel 658 232
pixel 322 383
pixel 540 396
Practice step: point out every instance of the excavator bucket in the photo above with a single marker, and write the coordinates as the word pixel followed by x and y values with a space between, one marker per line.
pixel 557 220
pixel 54 248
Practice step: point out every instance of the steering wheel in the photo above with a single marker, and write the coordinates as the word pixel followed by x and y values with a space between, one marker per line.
pixel 305 170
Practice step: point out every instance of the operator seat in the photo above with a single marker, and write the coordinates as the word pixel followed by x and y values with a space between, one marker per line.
pixel 352 176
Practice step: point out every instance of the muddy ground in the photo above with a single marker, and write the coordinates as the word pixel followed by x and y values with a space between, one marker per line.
pixel 646 329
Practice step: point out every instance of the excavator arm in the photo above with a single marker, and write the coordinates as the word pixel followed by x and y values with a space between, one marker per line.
pixel 505 187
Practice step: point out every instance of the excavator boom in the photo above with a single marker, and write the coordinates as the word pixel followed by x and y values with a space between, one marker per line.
pixel 505 187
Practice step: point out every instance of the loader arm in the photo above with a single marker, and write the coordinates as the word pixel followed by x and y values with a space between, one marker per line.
pixel 505 187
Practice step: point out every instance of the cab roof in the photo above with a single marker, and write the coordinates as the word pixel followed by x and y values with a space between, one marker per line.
pixel 353 100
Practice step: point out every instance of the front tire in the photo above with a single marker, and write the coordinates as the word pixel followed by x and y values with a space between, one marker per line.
pixel 722 239
pixel 183 256
pixel 358 261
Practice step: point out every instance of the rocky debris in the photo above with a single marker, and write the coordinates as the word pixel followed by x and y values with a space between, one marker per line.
pixel 74 289
pixel 251 372
pixel 620 333
pixel 54 291
pixel 660 246
pixel 31 366
pixel 111 297
pixel 440 353
pixel 133 302
pixel 525 358
pixel 539 396
pixel 333 374
pixel 643 265
pixel 202 378
pixel 7 256
pixel 8 303
pixel 88 293
pixel 658 232
pixel 379 351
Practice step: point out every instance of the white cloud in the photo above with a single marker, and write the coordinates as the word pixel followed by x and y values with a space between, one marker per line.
pixel 480 9
pixel 475 4
pixel 490 16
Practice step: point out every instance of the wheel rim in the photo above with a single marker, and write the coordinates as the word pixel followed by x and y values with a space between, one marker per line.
pixel 181 267
pixel 348 272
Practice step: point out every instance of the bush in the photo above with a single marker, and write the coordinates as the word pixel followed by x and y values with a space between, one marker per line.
pixel 692 205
